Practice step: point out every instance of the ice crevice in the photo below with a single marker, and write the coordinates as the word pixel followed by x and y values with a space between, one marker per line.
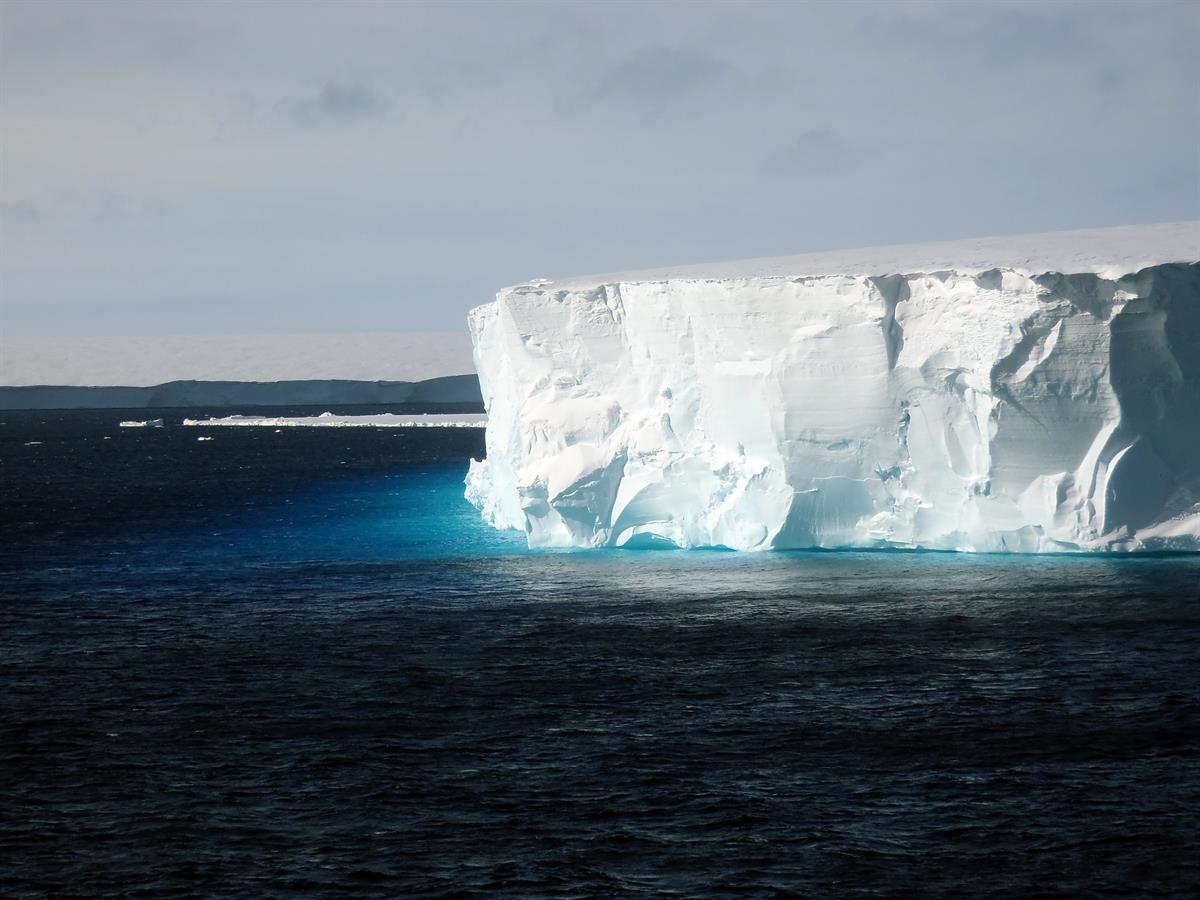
pixel 1034 397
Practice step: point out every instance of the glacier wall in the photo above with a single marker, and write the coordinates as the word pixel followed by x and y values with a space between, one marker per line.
pixel 999 409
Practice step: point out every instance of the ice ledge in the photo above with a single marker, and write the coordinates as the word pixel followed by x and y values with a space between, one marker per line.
pixel 1108 252
pixel 1042 398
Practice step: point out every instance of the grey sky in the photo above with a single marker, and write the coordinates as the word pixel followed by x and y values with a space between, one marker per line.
pixel 198 168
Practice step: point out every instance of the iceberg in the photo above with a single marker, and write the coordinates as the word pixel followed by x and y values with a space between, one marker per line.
pixel 1026 394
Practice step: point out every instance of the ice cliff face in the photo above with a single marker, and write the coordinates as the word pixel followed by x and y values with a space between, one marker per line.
pixel 1025 394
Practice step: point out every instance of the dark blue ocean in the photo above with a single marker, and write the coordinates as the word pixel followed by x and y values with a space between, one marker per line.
pixel 294 663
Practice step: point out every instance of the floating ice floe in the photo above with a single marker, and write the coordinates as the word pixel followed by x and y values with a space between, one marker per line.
pixel 330 420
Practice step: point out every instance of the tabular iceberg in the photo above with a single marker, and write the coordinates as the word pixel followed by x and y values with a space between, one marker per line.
pixel 1024 394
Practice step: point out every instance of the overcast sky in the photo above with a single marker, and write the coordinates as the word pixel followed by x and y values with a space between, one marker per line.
pixel 208 168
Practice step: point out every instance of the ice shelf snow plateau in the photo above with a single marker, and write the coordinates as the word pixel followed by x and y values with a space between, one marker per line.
pixel 1027 394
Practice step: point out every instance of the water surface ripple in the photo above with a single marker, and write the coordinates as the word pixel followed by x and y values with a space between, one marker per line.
pixel 295 664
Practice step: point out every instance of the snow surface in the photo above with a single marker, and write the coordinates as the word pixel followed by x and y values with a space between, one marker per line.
pixel 330 420
pixel 1108 252
pixel 1029 394
pixel 147 361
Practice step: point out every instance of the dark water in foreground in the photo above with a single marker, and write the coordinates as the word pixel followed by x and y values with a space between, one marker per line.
pixel 296 663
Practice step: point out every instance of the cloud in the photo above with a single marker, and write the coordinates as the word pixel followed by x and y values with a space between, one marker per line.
pixel 815 153
pixel 338 102
pixel 990 35
pixel 661 75
pixel 22 211
pixel 77 207
pixel 304 145
pixel 1111 80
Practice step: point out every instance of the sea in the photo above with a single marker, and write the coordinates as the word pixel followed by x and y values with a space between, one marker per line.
pixel 249 662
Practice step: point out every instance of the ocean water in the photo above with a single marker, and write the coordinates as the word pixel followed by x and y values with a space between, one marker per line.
pixel 295 663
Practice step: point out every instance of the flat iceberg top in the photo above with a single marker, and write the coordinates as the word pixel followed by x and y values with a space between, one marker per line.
pixel 1108 252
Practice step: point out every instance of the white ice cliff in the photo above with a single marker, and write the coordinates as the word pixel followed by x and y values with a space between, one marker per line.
pixel 1028 394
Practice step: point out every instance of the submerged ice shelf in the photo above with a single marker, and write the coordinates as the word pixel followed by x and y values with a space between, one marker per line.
pixel 1031 394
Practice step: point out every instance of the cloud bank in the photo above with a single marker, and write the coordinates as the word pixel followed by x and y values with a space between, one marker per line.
pixel 206 168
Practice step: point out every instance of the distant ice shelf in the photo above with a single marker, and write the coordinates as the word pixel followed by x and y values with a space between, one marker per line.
pixel 1031 394
pixel 329 420
pixel 447 391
